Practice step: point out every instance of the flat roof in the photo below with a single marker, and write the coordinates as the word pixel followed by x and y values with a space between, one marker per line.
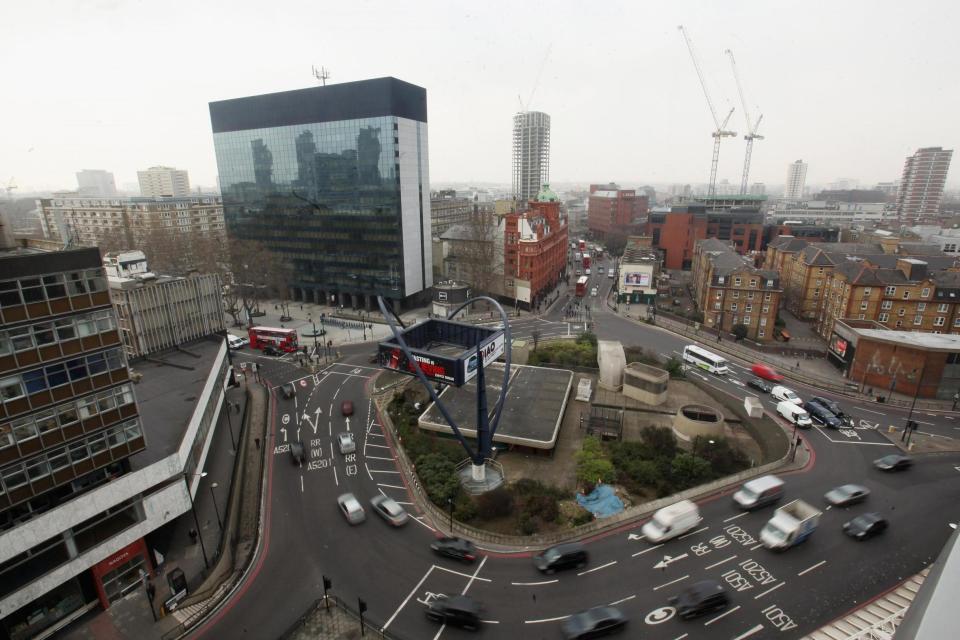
pixel 930 341
pixel 167 395
pixel 533 410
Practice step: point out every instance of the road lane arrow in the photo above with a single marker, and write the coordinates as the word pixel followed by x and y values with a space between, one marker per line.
pixel 667 561
pixel 348 424
pixel 312 424
pixel 633 536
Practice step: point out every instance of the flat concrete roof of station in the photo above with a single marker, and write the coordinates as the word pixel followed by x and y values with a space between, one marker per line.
pixel 533 411
pixel 168 393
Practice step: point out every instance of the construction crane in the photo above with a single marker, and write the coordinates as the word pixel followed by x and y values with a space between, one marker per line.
pixel 721 127
pixel 11 185
pixel 321 74
pixel 751 126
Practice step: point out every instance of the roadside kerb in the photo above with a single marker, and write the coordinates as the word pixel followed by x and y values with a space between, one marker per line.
pixel 514 543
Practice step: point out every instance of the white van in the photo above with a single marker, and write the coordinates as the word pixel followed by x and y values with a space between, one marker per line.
pixel 794 414
pixel 672 521
pixel 759 492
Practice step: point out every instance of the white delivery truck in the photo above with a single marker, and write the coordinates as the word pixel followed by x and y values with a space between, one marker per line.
pixel 794 414
pixel 790 525
pixel 672 521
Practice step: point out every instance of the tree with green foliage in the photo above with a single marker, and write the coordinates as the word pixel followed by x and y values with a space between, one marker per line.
pixel 439 477
pixel 688 470
pixel 739 331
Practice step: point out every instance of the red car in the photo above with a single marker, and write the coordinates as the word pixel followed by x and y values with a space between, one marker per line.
pixel 766 372
pixel 346 407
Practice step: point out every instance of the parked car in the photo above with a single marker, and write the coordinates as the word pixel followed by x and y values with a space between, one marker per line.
pixel 297 452
pixel 594 623
pixel 271 350
pixel 865 526
pixel 846 495
pixel 782 393
pixel 236 342
pixel 563 556
pixel 456 548
pixel 351 508
pixel 834 408
pixel 288 389
pixel 700 598
pixel 346 442
pixel 822 415
pixel 760 385
pixel 457 611
pixel 389 510
pixel 346 407
pixel 893 462
pixel 766 372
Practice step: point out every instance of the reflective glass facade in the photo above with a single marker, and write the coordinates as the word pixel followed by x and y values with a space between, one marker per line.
pixel 345 200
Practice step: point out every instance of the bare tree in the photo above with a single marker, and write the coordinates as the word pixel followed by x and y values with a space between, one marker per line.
pixel 478 253
pixel 535 334
pixel 253 270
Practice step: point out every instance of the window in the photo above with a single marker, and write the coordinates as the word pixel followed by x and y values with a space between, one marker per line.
pixel 769 284
pixel 737 281
pixel 819 283
pixel 942 308
pixel 860 316
pixel 753 282
pixel 746 320
pixel 750 295
pixel 716 305
pixel 899 324
pixel 939 321
pixel 863 306
pixel 901 311
pixel 925 292
pixel 736 295
pixel 749 308
pixel 956 323
pixel 816 293
pixel 921 306
pixel 766 296
pixel 761 333
pixel 720 279
pixel 906 294
pixel 11 388
pixel 889 291
pixel 733 307
pixel 918 319
pixel 719 295
pixel 766 308
pixel 886 305
pixel 866 292
pixel 883 317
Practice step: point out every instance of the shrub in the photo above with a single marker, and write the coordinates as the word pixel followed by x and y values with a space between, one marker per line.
pixel 592 465
pixel 464 508
pixel 582 517
pixel 660 442
pixel 494 504
pixel 675 368
pixel 527 525
pixel 544 507
pixel 439 477
pixel 587 337
pixel 739 331
pixel 688 470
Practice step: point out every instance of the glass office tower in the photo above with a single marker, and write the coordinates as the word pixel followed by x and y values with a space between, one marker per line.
pixel 335 180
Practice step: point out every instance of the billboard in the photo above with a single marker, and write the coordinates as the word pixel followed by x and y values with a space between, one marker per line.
pixel 434 367
pixel 636 278
pixel 491 351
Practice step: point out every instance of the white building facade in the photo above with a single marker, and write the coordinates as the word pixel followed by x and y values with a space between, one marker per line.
pixel 164 181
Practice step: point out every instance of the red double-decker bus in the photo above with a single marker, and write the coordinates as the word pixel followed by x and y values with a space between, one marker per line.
pixel 283 339
pixel 586 260
pixel 582 286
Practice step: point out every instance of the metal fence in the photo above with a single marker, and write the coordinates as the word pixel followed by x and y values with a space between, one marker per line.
pixel 331 617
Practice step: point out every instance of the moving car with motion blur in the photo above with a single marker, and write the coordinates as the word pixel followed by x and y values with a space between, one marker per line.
pixel 700 598
pixel 846 495
pixel 766 372
pixel 457 611
pixel 865 526
pixel 390 510
pixel 594 623
pixel 893 462
pixel 456 548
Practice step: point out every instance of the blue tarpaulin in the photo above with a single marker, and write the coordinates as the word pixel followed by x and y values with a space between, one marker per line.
pixel 601 502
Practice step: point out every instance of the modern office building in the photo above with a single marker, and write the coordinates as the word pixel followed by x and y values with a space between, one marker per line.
pixel 796 180
pixel 531 154
pixel 335 179
pixel 921 186
pixel 448 209
pixel 88 469
pixel 96 183
pixel 614 210
pixel 164 182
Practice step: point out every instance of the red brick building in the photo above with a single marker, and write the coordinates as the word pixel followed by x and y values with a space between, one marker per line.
pixel 535 249
pixel 676 232
pixel 613 209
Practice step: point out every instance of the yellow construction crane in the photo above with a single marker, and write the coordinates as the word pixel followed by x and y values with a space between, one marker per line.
pixel 751 126
pixel 720 130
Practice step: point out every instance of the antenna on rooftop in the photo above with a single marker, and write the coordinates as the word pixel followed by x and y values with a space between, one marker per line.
pixel 321 74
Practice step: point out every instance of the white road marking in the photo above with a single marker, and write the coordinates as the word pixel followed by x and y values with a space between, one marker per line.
pixel 533 584
pixel 475 574
pixel 749 633
pixel 367 467
pixel 739 515
pixel 379 458
pixel 621 600
pixel 773 588
pixel 369 470
pixel 640 553
pixel 409 595
pixel 392 486
pixel 379 446
pixel 808 569
pixel 545 620
pixel 687 535
pixel 871 411
pixel 603 566
pixel 717 564
pixel 460 573
pixel 722 615
pixel 301 483
pixel 667 584
pixel 756 546
pixel 420 521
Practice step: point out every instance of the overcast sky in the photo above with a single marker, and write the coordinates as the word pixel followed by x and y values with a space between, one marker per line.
pixel 849 87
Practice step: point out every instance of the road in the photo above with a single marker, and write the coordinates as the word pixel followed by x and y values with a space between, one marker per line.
pixel 773 595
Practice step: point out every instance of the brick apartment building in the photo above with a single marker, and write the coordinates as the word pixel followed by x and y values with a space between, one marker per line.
pixel 728 290
pixel 677 231
pixel 611 208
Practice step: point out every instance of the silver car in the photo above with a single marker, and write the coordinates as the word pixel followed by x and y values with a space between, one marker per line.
pixel 351 508
pixel 346 442
pixel 389 510
pixel 846 495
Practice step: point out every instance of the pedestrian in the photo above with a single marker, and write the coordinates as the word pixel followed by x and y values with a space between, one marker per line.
pixel 718 338
pixel 275 307
pixel 256 441
pixel 798 365
pixel 301 307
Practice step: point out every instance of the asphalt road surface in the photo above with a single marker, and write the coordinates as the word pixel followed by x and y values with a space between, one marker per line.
pixel 774 595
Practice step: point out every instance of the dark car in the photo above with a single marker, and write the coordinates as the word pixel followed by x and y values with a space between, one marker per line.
pixel 760 385
pixel 563 556
pixel 829 404
pixel 865 526
pixel 346 407
pixel 846 495
pixel 297 452
pixel 457 611
pixel 271 350
pixel 821 415
pixel 288 389
pixel 700 598
pixel 893 462
pixel 456 548
pixel 594 623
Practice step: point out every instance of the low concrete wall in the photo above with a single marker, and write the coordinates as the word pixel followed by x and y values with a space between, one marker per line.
pixel 645 383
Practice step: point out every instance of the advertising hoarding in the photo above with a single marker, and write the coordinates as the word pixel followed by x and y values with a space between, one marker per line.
pixel 636 278
pixel 491 351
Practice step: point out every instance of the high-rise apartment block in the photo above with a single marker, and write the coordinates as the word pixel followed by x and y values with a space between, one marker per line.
pixel 921 186
pixel 336 180
pixel 796 180
pixel 613 210
pixel 531 154
pixel 96 183
pixel 164 181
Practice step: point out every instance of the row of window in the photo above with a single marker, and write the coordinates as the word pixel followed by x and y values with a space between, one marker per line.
pixel 736 295
pixel 737 281
pixel 59 374
pixel 19 473
pixel 51 287
pixel 41 422
pixel 63 330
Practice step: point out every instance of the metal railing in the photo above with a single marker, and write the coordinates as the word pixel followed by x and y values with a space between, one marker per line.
pixel 331 616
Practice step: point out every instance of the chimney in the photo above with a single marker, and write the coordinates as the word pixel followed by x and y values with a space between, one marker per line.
pixel 914 270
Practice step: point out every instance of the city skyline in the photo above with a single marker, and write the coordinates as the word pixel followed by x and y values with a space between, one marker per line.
pixel 652 124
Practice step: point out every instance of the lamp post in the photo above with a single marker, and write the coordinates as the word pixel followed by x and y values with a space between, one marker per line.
pixel 450 505
pixel 911 426
pixel 216 509
pixel 233 440
pixel 363 326
pixel 193 508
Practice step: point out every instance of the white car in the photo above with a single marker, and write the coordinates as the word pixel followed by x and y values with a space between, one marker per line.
pixel 783 393
pixel 346 442
pixel 236 342
pixel 351 508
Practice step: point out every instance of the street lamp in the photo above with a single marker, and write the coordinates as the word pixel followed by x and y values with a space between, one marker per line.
pixel 193 508
pixel 226 403
pixel 911 426
pixel 214 485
